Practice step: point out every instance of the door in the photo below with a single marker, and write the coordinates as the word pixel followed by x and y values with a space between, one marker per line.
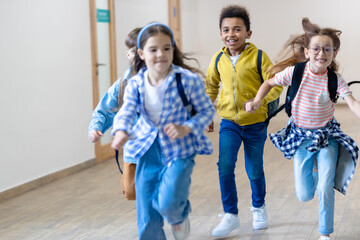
pixel 103 62
pixel 175 21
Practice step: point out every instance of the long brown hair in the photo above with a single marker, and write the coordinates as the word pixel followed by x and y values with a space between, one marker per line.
pixel 293 50
pixel 178 58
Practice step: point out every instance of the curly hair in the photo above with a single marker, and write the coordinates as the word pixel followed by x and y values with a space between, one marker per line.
pixel 235 11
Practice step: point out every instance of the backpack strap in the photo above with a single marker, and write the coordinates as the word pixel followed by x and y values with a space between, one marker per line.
pixel 189 108
pixel 295 84
pixel 122 85
pixel 291 91
pixel 117 160
pixel 352 82
pixel 217 61
pixel 332 85
pixel 259 60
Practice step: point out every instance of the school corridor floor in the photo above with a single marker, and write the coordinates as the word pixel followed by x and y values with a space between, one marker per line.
pixel 89 205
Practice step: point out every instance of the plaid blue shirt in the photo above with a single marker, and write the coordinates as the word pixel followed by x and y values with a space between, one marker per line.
pixel 288 139
pixel 144 132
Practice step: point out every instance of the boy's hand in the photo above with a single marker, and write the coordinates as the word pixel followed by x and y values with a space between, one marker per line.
pixel 119 140
pixel 95 135
pixel 174 131
pixel 210 128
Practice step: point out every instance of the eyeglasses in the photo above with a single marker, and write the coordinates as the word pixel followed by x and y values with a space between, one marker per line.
pixel 326 49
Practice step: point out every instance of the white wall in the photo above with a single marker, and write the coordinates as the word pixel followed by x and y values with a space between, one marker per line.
pixel 272 22
pixel 45 88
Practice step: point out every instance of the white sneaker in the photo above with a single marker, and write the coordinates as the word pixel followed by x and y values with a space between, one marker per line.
pixel 324 238
pixel 228 223
pixel 184 230
pixel 260 217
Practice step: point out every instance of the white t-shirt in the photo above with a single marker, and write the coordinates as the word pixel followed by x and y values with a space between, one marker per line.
pixel 154 96
pixel 234 59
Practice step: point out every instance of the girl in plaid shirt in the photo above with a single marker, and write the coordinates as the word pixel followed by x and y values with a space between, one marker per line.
pixel 313 137
pixel 165 138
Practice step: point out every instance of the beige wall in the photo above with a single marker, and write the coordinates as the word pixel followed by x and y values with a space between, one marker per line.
pixel 46 82
pixel 45 88
pixel 272 23
pixel 45 66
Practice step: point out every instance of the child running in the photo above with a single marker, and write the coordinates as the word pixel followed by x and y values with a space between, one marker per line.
pixel 166 138
pixel 313 137
pixel 106 109
pixel 238 73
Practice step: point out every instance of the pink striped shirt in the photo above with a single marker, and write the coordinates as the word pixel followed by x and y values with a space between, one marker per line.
pixel 312 107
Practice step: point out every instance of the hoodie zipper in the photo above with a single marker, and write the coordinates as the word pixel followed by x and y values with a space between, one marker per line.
pixel 233 74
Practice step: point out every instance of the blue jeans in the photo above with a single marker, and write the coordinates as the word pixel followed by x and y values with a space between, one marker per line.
pixel 162 192
pixel 305 184
pixel 231 137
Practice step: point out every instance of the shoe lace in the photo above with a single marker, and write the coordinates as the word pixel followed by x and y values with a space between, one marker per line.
pixel 226 220
pixel 257 213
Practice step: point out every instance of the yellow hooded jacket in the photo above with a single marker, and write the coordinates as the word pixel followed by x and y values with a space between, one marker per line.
pixel 239 84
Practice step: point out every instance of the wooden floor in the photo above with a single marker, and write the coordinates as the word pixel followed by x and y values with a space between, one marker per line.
pixel 89 204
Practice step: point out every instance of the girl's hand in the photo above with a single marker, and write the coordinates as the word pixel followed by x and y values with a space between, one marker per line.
pixel 119 140
pixel 251 106
pixel 210 128
pixel 174 131
pixel 95 135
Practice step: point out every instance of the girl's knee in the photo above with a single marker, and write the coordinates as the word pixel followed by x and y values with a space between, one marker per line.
pixel 170 207
pixel 325 189
pixel 304 195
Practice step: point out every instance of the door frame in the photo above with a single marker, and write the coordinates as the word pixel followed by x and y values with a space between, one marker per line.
pixel 102 152
pixel 174 12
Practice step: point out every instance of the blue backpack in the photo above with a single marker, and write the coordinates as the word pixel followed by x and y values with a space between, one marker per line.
pixel 272 106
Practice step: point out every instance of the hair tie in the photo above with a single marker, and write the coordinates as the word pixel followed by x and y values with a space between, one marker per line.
pixel 150 25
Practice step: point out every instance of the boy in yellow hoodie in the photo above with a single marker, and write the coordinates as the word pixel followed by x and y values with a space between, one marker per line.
pixel 237 71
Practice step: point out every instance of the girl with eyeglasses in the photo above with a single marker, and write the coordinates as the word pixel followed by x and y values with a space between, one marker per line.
pixel 323 155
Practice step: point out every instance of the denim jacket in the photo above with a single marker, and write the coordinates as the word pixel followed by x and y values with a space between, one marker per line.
pixel 104 113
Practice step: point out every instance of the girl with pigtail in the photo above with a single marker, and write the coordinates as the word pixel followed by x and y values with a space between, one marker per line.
pixel 324 157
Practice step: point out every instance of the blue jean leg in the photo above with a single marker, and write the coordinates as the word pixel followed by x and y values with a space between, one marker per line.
pixel 303 172
pixel 327 159
pixel 305 185
pixel 162 192
pixel 174 190
pixel 147 179
pixel 231 137
pixel 254 150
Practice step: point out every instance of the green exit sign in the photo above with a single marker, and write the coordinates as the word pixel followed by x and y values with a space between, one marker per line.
pixel 102 15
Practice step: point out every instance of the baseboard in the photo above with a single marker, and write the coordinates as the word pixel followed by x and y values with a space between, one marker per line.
pixel 18 190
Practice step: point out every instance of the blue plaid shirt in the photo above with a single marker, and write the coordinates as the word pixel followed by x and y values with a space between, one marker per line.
pixel 288 139
pixel 144 132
